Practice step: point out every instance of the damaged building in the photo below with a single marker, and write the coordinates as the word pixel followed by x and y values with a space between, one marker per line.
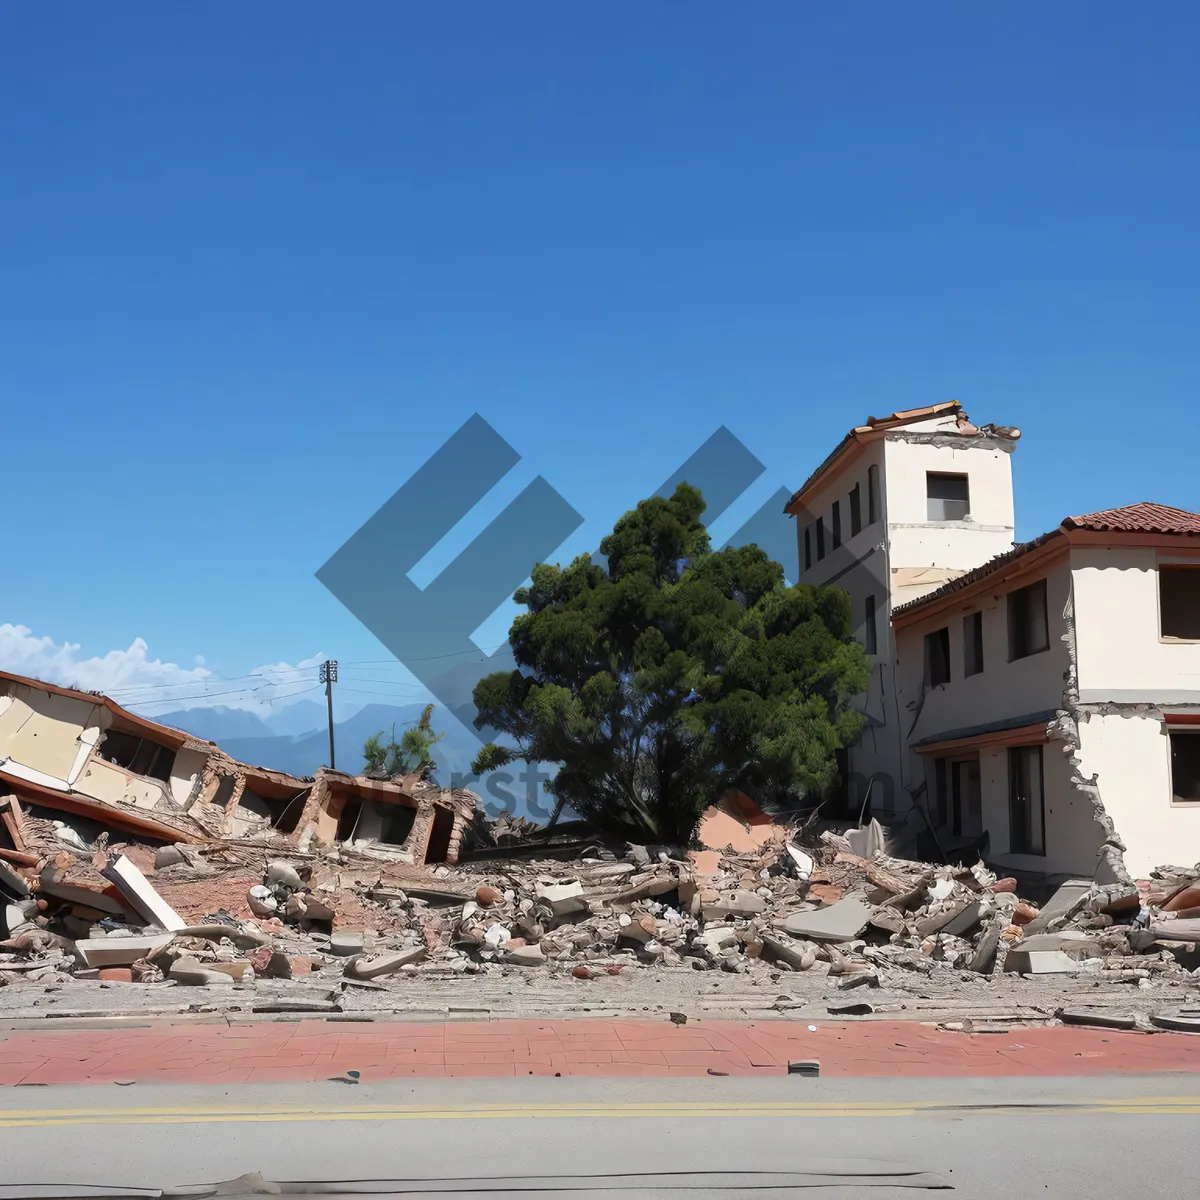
pixel 82 759
pixel 1036 703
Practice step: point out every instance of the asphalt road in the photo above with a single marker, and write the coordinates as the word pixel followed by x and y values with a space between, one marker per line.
pixel 624 1138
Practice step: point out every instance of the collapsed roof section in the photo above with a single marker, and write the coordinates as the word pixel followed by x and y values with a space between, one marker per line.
pixel 81 754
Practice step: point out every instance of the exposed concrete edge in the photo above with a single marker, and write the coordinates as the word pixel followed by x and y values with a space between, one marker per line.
pixel 1065 728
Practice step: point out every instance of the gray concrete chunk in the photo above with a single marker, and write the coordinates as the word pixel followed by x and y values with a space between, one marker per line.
pixel 840 922
pixel 1040 962
pixel 1060 904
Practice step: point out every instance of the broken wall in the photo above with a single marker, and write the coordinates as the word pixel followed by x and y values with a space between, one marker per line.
pixel 1130 756
pixel 48 735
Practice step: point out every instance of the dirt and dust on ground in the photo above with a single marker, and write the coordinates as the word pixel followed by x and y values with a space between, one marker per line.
pixel 789 923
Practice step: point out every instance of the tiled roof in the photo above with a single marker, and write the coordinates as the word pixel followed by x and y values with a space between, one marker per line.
pixel 1138 518
pixel 1134 518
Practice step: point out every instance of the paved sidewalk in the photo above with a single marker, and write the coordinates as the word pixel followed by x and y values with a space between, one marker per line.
pixel 315 1049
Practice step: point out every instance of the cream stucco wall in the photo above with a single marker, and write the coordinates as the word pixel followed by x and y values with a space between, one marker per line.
pixel 185 772
pixel 914 540
pixel 1130 757
pixel 107 782
pixel 1003 690
pixel 1121 655
pixel 1073 838
pixel 46 733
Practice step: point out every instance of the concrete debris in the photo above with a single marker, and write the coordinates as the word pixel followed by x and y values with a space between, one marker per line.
pixel 832 910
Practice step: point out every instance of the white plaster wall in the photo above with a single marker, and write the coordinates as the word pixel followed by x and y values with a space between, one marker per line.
pixel 112 784
pixel 1130 757
pixel 1121 656
pixel 1003 689
pixel 42 730
pixel 914 540
pixel 185 771
pixel 1073 838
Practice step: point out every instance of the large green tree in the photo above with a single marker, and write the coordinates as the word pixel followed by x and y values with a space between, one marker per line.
pixel 673 674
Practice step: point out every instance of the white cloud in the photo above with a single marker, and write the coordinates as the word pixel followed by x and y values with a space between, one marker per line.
pixel 133 678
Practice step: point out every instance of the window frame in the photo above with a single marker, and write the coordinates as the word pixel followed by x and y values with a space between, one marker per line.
pixel 873 512
pixel 930 476
pixel 808 558
pixel 942 634
pixel 1013 656
pixel 1163 636
pixel 820 539
pixel 1182 731
pixel 835 525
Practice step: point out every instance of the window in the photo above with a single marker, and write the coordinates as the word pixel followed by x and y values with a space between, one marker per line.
pixel 973 643
pixel 937 657
pixel 820 538
pixel 1028 629
pixel 1026 807
pixel 808 548
pixel 872 495
pixel 948 497
pixel 870 633
pixel 837 524
pixel 1179 602
pixel 1185 767
pixel 959 796
pixel 855 510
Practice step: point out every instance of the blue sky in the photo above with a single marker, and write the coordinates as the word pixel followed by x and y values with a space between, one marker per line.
pixel 259 261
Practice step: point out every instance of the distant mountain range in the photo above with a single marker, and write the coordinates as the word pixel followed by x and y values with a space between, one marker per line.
pixel 296 739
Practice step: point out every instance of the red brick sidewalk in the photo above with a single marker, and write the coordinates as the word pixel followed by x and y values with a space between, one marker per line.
pixel 313 1049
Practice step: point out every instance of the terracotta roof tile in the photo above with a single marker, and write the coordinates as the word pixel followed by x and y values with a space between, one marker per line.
pixel 1138 518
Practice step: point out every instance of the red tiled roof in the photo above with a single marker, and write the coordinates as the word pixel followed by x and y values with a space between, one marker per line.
pixel 1134 518
pixel 1138 518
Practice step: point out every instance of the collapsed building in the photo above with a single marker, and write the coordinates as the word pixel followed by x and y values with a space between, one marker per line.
pixel 1036 704
pixel 82 759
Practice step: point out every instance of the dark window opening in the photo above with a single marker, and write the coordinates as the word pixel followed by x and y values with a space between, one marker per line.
pixel 1026 801
pixel 397 824
pixel 820 538
pixel 281 812
pixel 973 643
pixel 808 549
pixel 348 820
pixel 137 755
pixel 439 836
pixel 1028 627
pixel 941 792
pixel 837 524
pixel 855 510
pixel 948 497
pixel 224 792
pixel 872 495
pixel 937 657
pixel 1185 767
pixel 1179 602
pixel 870 633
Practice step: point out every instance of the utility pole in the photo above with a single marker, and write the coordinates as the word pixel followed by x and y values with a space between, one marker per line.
pixel 329 678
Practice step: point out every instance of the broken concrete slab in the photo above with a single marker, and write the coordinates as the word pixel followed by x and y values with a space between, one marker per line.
pixel 1061 905
pixel 563 899
pixel 733 904
pixel 137 889
pixel 193 973
pixel 1039 962
pixel 244 939
pixel 345 944
pixel 384 964
pixel 120 951
pixel 525 956
pixel 52 883
pixel 1103 1018
pixel 966 919
pixel 840 922
pixel 1075 942
pixel 1178 930
pixel 239 972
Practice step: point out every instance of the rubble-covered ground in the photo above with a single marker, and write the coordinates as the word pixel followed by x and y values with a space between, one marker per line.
pixel 252 927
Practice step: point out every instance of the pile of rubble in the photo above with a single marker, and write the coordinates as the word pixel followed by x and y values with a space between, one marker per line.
pixel 231 912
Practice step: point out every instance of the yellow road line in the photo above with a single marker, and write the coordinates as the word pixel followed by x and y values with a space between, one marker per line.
pixel 13 1119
